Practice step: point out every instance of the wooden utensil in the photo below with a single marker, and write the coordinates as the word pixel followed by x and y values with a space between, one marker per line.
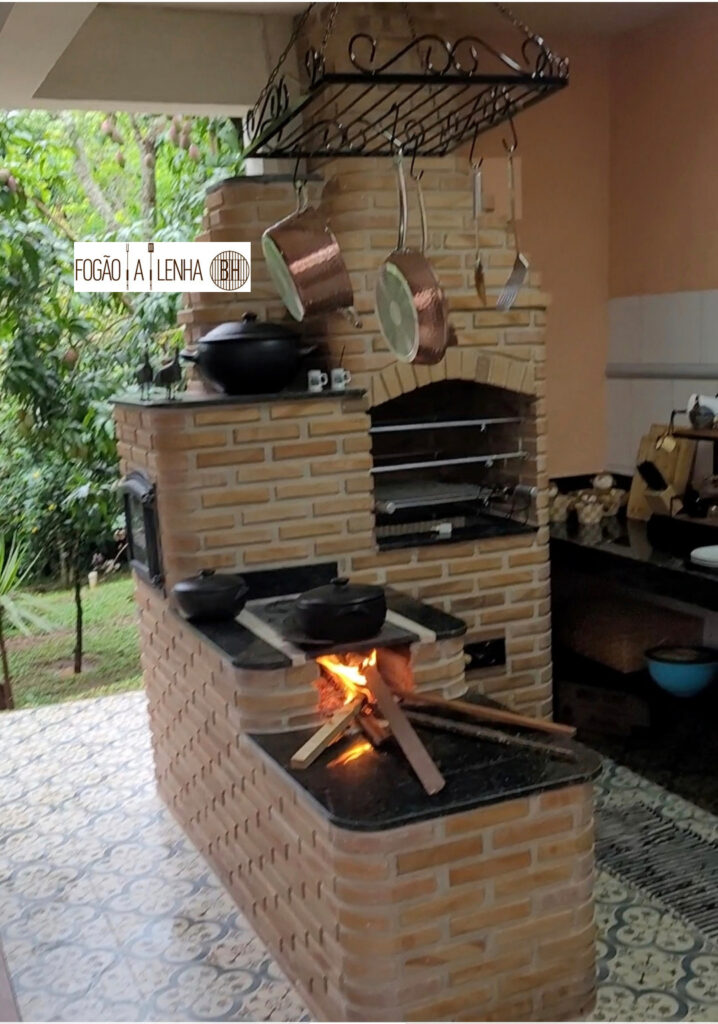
pixel 488 714
pixel 481 732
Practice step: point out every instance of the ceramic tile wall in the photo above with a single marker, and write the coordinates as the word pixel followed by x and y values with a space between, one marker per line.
pixel 677 329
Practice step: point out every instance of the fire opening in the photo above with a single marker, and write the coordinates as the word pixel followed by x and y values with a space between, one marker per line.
pixel 344 673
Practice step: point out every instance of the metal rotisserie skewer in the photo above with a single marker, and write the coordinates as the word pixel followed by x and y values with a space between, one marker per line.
pixel 481 732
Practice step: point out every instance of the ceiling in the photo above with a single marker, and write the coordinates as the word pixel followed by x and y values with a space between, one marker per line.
pixel 212 57
pixel 579 17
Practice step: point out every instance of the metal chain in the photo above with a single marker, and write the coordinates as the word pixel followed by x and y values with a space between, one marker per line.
pixel 516 21
pixel 330 26
pixel 285 52
pixel 410 21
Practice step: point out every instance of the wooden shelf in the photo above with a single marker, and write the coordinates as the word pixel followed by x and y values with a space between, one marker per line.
pixel 709 434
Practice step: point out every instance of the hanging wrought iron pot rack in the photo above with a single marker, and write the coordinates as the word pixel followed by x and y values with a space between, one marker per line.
pixel 429 97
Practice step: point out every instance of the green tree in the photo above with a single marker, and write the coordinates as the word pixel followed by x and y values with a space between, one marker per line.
pixel 63 178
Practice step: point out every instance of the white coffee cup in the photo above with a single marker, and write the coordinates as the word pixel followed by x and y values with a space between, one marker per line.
pixel 340 378
pixel 317 380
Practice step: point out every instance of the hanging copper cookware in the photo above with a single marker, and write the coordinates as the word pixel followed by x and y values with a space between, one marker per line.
pixel 304 261
pixel 410 303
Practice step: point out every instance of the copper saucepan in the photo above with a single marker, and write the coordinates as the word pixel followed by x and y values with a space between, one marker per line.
pixel 304 261
pixel 410 303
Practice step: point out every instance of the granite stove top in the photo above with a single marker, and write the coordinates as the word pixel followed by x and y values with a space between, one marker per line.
pixel 357 787
pixel 258 638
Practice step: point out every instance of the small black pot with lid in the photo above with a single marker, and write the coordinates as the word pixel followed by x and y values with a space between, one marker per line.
pixel 341 611
pixel 210 596
pixel 249 356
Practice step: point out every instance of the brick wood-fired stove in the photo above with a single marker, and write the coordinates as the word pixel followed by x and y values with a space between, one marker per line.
pixel 379 901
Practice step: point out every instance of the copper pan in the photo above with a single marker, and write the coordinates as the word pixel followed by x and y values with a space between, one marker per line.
pixel 304 261
pixel 410 303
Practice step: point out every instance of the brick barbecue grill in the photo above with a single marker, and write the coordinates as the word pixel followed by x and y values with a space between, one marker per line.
pixel 379 899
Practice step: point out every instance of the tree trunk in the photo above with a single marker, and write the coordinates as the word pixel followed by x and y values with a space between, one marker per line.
pixel 149 184
pixel 77 586
pixel 64 568
pixel 6 698
pixel 147 142
pixel 94 193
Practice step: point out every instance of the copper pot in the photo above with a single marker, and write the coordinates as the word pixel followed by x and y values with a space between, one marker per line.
pixel 304 261
pixel 410 303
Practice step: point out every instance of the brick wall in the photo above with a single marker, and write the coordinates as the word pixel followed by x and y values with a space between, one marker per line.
pixel 288 484
pixel 261 701
pixel 482 915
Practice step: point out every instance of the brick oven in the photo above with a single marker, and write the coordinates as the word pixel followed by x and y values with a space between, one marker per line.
pixel 379 900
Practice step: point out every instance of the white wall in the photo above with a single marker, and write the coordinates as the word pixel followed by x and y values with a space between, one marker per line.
pixel 661 349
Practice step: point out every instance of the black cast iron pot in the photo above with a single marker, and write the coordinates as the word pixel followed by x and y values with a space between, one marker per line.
pixel 210 596
pixel 341 611
pixel 249 356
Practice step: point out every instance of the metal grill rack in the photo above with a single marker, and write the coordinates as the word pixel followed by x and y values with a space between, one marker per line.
pixel 429 96
pixel 487 460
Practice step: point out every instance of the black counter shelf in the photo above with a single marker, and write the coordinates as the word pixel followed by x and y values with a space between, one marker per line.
pixel 626 553
pixel 378 790
pixel 246 651
pixel 190 400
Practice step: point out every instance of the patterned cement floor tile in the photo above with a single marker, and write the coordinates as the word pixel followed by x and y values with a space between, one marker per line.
pixel 108 913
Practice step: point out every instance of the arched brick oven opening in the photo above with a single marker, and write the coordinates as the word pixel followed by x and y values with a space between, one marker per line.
pixel 452 459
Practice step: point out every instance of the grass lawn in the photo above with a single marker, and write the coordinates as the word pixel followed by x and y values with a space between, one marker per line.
pixel 41 665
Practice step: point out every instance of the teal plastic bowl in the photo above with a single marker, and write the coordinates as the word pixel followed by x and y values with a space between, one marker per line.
pixel 682 671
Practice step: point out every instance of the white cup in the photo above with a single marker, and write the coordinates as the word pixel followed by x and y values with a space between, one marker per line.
pixel 340 378
pixel 316 380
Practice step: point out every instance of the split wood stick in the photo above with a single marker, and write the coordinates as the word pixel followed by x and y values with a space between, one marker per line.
pixel 481 732
pixel 375 729
pixel 326 735
pixel 489 714
pixel 405 735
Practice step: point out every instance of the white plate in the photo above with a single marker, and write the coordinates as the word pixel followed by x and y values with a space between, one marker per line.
pixel 707 557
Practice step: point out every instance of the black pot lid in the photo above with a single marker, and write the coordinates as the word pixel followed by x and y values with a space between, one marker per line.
pixel 249 328
pixel 341 594
pixel 210 582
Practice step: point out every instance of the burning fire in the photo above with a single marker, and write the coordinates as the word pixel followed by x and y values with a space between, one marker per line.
pixel 348 672
pixel 354 752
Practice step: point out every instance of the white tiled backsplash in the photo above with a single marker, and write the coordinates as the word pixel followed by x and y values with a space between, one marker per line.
pixel 674 335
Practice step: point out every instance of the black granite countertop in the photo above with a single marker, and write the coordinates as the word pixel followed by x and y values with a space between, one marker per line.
pixel 187 399
pixel 246 650
pixel 652 556
pixel 359 788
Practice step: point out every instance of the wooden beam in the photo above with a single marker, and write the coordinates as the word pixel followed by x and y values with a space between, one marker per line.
pixel 375 729
pixel 326 735
pixel 405 735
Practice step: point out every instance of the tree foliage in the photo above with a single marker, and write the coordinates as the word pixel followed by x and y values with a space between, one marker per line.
pixel 18 610
pixel 63 178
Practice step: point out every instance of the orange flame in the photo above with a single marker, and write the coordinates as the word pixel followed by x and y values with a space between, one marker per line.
pixel 354 752
pixel 350 672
